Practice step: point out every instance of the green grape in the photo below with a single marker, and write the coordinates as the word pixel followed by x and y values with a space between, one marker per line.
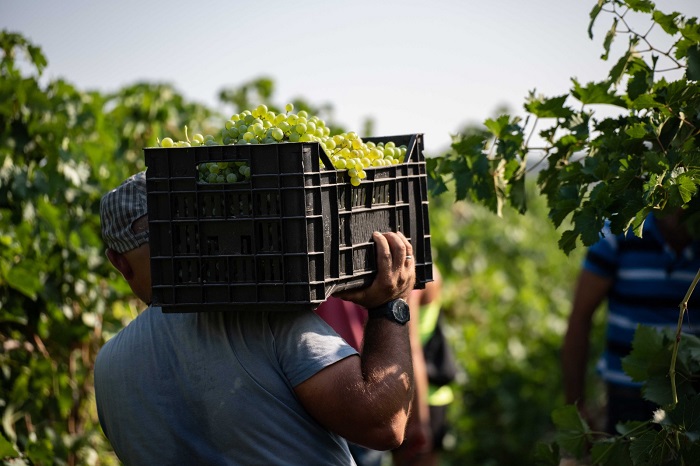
pixel 302 114
pixel 257 129
pixel 289 107
pixel 231 178
pixel 277 134
pixel 300 128
pixel 279 118
pixel 167 142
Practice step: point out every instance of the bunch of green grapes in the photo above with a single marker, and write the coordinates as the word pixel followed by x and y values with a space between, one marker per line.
pixel 347 151
pixel 223 172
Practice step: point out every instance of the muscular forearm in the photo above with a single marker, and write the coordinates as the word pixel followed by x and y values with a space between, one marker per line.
pixel 387 372
pixel 366 399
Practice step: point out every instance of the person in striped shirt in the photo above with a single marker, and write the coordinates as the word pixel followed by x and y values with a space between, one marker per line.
pixel 644 279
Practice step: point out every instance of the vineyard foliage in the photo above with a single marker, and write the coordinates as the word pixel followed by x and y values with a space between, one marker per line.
pixel 507 279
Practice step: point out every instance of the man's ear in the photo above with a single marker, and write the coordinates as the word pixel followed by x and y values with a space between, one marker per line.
pixel 120 263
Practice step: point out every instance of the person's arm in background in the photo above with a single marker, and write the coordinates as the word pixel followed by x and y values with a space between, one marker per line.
pixel 418 432
pixel 367 399
pixel 591 291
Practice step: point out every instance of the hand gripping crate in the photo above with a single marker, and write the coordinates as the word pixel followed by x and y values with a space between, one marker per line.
pixel 286 239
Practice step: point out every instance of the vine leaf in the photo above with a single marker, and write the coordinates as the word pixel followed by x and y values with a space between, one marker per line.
pixel 650 448
pixel 646 345
pixel 686 415
pixel 572 430
pixel 6 448
pixel 24 277
pixel 611 451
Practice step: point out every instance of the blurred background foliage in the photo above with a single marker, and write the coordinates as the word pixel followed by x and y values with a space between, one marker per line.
pixel 506 298
pixel 507 284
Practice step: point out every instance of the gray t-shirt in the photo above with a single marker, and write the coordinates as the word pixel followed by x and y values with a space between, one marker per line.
pixel 217 389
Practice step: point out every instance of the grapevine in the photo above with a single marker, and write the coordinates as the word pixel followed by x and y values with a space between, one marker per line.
pixel 347 151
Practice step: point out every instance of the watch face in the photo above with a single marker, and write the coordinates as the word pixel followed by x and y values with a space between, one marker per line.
pixel 401 311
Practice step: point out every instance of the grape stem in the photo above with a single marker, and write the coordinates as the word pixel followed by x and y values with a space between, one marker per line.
pixel 683 309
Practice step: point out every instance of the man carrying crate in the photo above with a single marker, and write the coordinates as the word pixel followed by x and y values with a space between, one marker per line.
pixel 250 387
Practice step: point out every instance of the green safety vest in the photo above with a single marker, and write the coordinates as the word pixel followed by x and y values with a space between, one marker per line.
pixel 437 396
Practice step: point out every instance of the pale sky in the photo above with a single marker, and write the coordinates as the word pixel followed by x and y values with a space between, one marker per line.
pixel 414 66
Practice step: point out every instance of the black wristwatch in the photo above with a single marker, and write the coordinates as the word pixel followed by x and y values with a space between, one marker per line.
pixel 396 311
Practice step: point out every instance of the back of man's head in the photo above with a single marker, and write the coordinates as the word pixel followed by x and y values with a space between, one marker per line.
pixel 119 209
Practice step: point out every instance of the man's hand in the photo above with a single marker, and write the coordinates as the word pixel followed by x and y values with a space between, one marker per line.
pixel 396 272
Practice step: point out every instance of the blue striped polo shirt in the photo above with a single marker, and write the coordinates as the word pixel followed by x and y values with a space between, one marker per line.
pixel 649 282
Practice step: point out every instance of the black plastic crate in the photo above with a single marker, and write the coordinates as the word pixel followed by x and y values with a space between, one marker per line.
pixel 286 239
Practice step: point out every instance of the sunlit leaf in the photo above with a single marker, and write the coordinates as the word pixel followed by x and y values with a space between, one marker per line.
pixel 667 22
pixel 548 107
pixel 24 277
pixel 7 450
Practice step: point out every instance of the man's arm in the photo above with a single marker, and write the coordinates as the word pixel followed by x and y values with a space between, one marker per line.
pixel 367 399
pixel 590 292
